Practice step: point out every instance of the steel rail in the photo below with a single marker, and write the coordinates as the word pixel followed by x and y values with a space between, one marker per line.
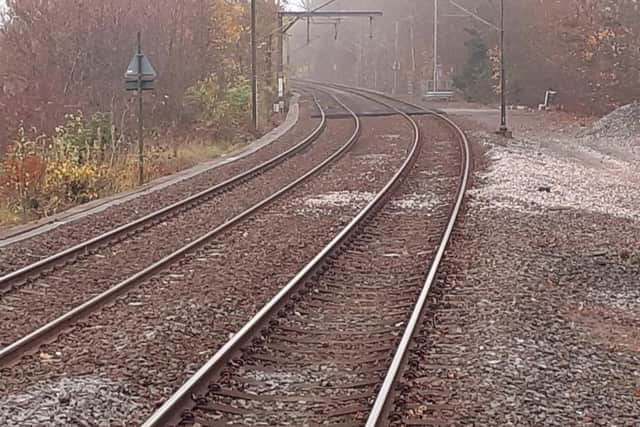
pixel 360 91
pixel 86 246
pixel 378 415
pixel 48 331
pixel 168 412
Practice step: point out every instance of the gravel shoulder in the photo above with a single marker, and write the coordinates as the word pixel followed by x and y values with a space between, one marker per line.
pixel 534 318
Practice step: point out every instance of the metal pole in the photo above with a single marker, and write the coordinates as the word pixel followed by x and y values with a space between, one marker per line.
pixel 140 122
pixel 413 56
pixel 254 69
pixel 413 46
pixel 360 78
pixel 396 63
pixel 287 44
pixel 280 77
pixel 269 61
pixel 503 80
pixel 503 130
pixel 435 45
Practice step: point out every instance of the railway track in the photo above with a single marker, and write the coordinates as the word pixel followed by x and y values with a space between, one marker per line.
pixel 172 319
pixel 89 246
pixel 51 302
pixel 331 345
pixel 435 414
pixel 187 316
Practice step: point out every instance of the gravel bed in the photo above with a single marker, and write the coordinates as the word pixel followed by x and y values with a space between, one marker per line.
pixel 534 178
pixel 156 336
pixel 50 295
pixel 31 250
pixel 75 400
pixel 358 104
pixel 622 123
pixel 322 359
pixel 534 317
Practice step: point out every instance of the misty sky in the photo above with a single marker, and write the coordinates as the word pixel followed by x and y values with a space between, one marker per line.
pixel 294 5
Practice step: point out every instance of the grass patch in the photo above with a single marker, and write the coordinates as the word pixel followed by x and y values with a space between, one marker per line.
pixel 184 156
pixel 8 217
pixel 162 158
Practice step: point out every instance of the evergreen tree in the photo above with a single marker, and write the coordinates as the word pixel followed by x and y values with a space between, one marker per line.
pixel 474 80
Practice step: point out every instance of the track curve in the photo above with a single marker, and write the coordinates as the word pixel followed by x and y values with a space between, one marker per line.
pixel 87 247
pixel 47 331
pixel 208 384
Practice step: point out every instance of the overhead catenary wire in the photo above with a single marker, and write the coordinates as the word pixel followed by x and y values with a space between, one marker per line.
pixel 286 27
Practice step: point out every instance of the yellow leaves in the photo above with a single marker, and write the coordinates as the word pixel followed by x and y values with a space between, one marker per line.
pixel 588 56
pixel 227 20
pixel 605 34
pixel 48 173
pixel 594 40
pixel 598 41
pixel 67 181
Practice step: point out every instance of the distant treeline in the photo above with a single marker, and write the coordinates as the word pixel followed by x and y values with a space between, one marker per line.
pixel 587 50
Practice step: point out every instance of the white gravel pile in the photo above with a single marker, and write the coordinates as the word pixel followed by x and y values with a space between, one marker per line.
pixel 418 202
pixel 623 122
pixel 338 199
pixel 68 401
pixel 531 179
pixel 375 159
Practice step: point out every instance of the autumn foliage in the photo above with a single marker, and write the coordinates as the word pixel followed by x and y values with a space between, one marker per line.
pixel 67 125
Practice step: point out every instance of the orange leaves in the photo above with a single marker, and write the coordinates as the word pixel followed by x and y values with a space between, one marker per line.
pixel 593 40
pixel 227 20
pixel 24 171
pixel 22 167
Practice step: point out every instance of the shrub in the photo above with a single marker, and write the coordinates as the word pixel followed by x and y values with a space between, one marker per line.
pixel 237 96
pixel 204 96
pixel 41 175
pixel 82 141
pixel 70 183
pixel 218 105
pixel 475 78
pixel 22 172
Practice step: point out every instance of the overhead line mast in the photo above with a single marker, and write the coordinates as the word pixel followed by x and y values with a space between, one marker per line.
pixel 282 30
pixel 254 69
